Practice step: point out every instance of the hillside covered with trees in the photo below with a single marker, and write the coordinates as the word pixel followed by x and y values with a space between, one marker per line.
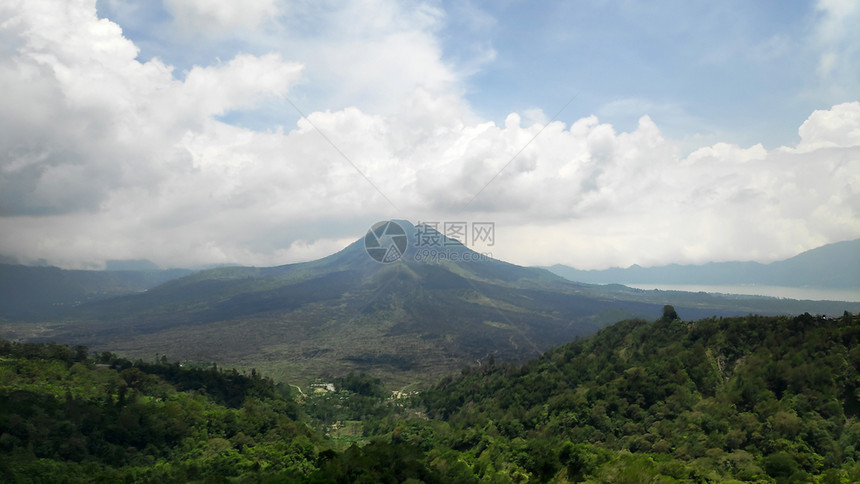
pixel 749 398
pixel 759 399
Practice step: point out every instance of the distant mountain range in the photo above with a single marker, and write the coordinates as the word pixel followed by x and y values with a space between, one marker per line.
pixel 415 318
pixel 32 293
pixel 830 266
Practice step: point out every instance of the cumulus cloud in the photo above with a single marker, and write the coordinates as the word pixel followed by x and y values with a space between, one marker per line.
pixel 83 117
pixel 838 127
pixel 108 157
pixel 592 197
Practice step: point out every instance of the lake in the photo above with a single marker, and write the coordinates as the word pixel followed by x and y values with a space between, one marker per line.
pixel 811 293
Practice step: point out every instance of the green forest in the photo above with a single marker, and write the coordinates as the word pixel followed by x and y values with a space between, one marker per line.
pixel 749 399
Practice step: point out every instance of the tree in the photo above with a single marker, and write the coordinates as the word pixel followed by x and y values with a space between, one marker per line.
pixel 669 314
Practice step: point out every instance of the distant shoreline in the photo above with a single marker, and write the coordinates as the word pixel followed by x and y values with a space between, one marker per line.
pixel 802 293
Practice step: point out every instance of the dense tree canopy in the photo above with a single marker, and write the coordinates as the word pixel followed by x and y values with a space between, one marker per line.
pixel 746 398
pixel 771 399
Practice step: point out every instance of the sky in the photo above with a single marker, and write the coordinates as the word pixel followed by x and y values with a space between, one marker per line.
pixel 593 133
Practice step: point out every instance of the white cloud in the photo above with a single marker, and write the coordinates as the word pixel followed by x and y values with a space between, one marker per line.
pixel 221 15
pixel 725 151
pixel 84 117
pixel 113 158
pixel 838 43
pixel 374 55
pixel 241 83
pixel 838 127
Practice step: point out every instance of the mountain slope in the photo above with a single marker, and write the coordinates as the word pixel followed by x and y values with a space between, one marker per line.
pixel 414 319
pixel 830 266
pixel 347 311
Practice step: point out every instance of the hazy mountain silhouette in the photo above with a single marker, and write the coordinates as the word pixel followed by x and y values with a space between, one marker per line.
pixel 40 292
pixel 830 266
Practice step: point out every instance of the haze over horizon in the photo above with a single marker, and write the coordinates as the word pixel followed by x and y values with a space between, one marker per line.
pixel 267 132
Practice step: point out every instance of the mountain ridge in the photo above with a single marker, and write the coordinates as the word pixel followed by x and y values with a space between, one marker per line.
pixel 38 292
pixel 834 265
